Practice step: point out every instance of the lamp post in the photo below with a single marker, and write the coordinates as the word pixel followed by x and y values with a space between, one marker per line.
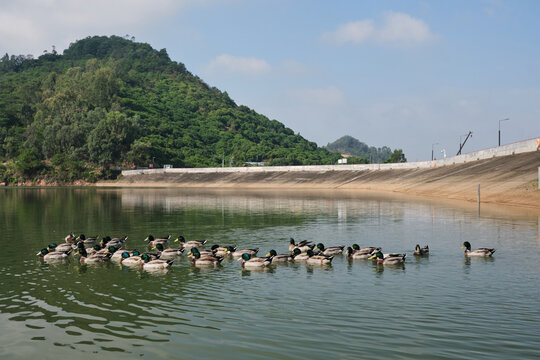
pixel 432 145
pixel 500 129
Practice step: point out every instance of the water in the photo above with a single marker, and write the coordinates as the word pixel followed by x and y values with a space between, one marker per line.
pixel 440 307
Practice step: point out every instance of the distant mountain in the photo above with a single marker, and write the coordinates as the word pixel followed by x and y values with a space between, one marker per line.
pixel 348 145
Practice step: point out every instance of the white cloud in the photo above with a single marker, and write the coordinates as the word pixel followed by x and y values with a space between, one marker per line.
pixel 28 26
pixel 396 28
pixel 226 63
pixel 330 96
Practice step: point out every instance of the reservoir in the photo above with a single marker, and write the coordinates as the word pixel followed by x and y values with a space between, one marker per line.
pixel 442 306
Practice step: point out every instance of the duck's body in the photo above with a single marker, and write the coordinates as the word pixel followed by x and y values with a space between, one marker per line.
pixel 87 241
pixel 298 255
pixel 279 258
pixel 419 251
pixel 393 259
pixel 203 261
pixel 100 256
pixel 152 242
pixel 249 262
pixel 62 247
pixel 319 260
pixel 303 246
pixel 364 250
pixel 188 245
pixel 53 256
pixel 360 254
pixel 70 239
pixel 157 265
pixel 131 261
pixel 223 250
pixel 119 255
pixel 239 253
pixel 481 252
pixel 334 250
pixel 168 254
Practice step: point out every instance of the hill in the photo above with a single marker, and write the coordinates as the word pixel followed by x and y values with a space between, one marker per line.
pixel 351 146
pixel 108 103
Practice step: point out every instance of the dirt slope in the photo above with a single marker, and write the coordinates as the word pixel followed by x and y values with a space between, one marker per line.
pixel 510 180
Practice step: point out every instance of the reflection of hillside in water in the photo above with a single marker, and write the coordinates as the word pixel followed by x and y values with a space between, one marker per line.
pixel 293 202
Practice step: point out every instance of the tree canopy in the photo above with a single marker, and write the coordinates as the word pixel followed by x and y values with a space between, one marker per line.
pixel 110 102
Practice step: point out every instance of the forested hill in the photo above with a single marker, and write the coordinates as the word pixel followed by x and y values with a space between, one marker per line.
pixel 352 146
pixel 110 102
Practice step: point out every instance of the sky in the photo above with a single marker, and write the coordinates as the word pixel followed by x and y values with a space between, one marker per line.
pixel 411 75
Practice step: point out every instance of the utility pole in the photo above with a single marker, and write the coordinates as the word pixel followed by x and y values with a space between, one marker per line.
pixel 500 129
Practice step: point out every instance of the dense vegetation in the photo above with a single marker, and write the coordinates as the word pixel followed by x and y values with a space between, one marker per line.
pixel 364 154
pixel 108 103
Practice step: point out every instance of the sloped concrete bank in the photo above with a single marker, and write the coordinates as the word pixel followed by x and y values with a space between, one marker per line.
pixel 509 179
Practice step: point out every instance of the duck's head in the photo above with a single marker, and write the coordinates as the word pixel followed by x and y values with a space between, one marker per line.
pixel 82 237
pixel 349 251
pixel 418 248
pixel 160 247
pixel 43 252
pixel 292 241
pixel 82 251
pixel 466 245
pixel 80 245
pixel 246 256
pixel 272 253
pixel 51 246
pixel 146 258
pixel 125 255
pixel 104 241
pixel 135 252
pixel 95 247
pixel 377 255
pixel 310 253
pixel 296 251
pixel 180 238
pixel 195 253
pixel 149 238
pixel 231 249
pixel 112 249
pixel 355 247
pixel 319 246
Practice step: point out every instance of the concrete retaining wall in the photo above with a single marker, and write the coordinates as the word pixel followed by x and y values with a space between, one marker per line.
pixel 509 149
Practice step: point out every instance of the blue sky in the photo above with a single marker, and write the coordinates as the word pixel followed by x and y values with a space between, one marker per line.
pixel 405 74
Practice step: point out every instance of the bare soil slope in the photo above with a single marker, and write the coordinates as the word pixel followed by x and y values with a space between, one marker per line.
pixel 510 180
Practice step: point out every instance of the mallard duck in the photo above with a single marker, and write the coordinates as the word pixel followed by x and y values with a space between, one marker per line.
pixel 368 249
pixel 318 259
pixel 97 257
pixel 222 250
pixel 119 255
pixel 155 265
pixel 279 258
pixel 359 254
pixel 388 260
pixel 418 251
pixel 70 238
pixel 153 241
pixel 167 254
pixel 239 253
pixel 303 246
pixel 334 250
pixel 62 247
pixel 198 260
pixel 48 256
pixel 476 252
pixel 132 259
pixel 298 255
pixel 88 242
pixel 255 262
pixel 189 244
pixel 117 242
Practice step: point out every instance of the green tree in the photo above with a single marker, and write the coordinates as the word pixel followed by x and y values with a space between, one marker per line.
pixel 397 157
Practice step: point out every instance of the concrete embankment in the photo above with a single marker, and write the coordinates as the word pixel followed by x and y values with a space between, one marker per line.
pixel 503 178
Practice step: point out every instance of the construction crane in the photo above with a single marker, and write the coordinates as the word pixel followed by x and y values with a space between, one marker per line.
pixel 461 145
